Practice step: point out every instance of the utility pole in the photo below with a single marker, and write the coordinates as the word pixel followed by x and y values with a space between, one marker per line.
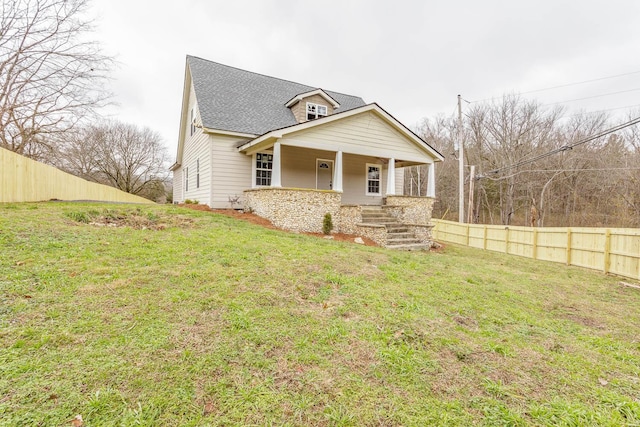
pixel 461 164
pixel 472 179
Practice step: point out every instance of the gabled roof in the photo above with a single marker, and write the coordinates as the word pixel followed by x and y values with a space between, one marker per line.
pixel 375 108
pixel 318 91
pixel 235 100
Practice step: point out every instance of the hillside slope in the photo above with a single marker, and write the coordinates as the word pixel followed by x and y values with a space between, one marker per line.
pixel 159 315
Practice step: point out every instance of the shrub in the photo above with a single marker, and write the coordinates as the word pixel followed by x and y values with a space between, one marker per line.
pixel 327 223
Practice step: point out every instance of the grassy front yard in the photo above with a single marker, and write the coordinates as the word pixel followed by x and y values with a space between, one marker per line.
pixel 158 315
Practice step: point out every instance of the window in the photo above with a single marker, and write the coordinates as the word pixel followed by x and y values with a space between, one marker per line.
pixel 193 122
pixel 264 166
pixel 186 179
pixel 373 179
pixel 197 173
pixel 315 110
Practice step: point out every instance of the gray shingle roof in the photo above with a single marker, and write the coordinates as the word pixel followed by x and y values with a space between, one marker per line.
pixel 236 100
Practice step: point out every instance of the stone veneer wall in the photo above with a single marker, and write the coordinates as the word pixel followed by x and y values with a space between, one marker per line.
pixel 410 210
pixel 422 233
pixel 375 232
pixel 350 217
pixel 294 209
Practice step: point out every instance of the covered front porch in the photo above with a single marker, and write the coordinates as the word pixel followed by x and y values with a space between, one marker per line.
pixel 359 179
pixel 339 165
pixel 295 187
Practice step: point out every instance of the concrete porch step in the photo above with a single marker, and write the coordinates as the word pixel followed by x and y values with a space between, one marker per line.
pixel 379 219
pixel 375 215
pixel 397 228
pixel 403 241
pixel 391 222
pixel 410 247
pixel 400 235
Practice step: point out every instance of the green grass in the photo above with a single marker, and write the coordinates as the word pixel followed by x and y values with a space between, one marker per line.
pixel 175 317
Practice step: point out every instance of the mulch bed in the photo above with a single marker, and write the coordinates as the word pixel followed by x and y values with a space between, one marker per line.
pixel 255 219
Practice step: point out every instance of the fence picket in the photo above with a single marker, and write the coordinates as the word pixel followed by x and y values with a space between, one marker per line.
pixel 612 250
pixel 25 180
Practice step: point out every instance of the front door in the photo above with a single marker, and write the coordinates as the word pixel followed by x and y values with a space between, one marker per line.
pixel 324 174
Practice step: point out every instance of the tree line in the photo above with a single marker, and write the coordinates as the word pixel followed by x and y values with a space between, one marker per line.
pixel 52 87
pixel 531 167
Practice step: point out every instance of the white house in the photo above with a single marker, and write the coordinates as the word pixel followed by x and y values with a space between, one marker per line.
pixel 292 153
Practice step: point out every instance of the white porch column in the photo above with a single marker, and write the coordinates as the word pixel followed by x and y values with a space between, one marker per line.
pixel 431 181
pixel 391 178
pixel 276 176
pixel 337 173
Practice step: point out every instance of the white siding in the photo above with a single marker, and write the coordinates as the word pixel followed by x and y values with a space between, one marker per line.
pixel 399 181
pixel 299 166
pixel 354 180
pixel 299 171
pixel 196 150
pixel 177 185
pixel 231 170
pixel 365 134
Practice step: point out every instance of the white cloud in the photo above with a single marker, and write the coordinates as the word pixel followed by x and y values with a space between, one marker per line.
pixel 412 57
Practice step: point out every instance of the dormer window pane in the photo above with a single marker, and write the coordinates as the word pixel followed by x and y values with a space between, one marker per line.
pixel 315 110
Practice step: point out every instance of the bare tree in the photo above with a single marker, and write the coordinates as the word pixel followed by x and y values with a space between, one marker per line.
pixel 50 75
pixel 438 134
pixel 124 156
pixel 506 133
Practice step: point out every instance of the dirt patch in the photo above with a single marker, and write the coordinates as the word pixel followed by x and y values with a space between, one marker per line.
pixel 136 219
pixel 255 219
pixel 575 314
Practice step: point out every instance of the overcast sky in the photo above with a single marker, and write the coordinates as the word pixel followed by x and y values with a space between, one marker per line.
pixel 411 57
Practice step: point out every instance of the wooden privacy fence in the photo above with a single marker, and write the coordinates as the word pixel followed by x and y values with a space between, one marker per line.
pixel 611 250
pixel 25 180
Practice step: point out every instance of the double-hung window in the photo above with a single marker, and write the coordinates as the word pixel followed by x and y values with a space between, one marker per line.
pixel 315 110
pixel 374 179
pixel 264 166
pixel 186 179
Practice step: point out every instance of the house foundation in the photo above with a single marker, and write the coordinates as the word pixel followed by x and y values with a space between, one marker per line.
pixel 403 222
pixel 294 209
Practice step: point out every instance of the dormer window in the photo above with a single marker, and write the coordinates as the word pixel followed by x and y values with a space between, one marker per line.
pixel 315 111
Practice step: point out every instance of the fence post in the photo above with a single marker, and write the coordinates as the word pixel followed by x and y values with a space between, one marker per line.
pixel 484 241
pixel 506 240
pixel 468 230
pixel 607 250
pixel 535 244
pixel 568 246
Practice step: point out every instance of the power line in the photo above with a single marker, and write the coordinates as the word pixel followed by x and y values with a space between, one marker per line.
pixel 555 170
pixel 566 147
pixel 562 85
pixel 601 111
pixel 580 170
pixel 594 96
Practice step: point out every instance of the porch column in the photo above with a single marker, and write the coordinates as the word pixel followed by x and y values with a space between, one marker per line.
pixel 276 180
pixel 391 178
pixel 431 180
pixel 337 173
